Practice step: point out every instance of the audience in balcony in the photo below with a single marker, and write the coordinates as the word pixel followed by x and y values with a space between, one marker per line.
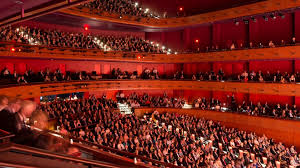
pixel 145 100
pixel 172 138
pixel 240 46
pixel 56 38
pixel 46 76
pixel 277 111
pixel 120 8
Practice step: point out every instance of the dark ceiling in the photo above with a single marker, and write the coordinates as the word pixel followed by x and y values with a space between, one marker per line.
pixel 10 7
pixel 76 21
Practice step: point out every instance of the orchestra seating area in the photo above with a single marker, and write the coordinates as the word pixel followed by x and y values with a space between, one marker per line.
pixel 150 84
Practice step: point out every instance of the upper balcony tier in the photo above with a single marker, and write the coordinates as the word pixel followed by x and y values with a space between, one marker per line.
pixel 245 10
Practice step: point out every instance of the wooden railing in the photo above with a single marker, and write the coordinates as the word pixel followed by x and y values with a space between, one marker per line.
pixel 245 10
pixel 6 147
pixel 286 131
pixel 44 52
pixel 37 90
pixel 111 154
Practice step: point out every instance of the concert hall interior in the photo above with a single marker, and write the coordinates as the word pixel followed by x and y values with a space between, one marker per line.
pixel 150 84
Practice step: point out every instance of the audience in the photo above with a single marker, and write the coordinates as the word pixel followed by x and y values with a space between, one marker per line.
pixel 121 8
pixel 276 111
pixel 172 138
pixel 145 100
pixel 57 38
pixel 46 76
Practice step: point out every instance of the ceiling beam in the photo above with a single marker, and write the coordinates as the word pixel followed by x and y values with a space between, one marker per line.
pixel 39 10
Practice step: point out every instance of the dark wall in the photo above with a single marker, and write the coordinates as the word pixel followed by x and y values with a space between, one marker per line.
pixel 225 33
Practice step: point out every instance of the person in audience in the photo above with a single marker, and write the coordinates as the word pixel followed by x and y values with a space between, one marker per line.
pixel 5 73
pixel 232 47
pixel 3 102
pixel 282 43
pixel 271 44
pixel 22 80
pixel 293 42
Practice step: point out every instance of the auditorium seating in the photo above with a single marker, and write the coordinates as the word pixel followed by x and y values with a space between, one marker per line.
pixel 56 38
pixel 112 83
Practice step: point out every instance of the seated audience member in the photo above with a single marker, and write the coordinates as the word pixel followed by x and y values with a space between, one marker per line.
pixel 250 45
pixel 271 44
pixel 21 80
pixel 3 102
pixel 282 43
pixel 5 73
pixel 292 79
pixel 293 42
pixel 16 122
pixel 13 106
pixel 232 47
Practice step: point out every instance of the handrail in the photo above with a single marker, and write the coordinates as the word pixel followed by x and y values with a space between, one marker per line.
pixel 236 12
pixel 7 164
pixel 11 146
pixel 122 153
pixel 6 135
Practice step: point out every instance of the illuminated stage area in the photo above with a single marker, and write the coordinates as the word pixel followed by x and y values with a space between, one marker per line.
pixel 149 84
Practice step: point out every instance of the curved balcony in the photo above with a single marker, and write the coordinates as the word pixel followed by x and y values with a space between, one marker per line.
pixel 45 52
pixel 37 90
pixel 246 10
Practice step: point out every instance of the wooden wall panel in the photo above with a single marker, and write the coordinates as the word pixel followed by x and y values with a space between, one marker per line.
pixel 30 91
pixel 288 52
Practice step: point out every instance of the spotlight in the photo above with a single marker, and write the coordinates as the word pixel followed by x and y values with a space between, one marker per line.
pixel 86 28
pixel 146 10
pixel 196 41
pixel 13 49
pixel 163 47
pixel 181 9
pixel 136 4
